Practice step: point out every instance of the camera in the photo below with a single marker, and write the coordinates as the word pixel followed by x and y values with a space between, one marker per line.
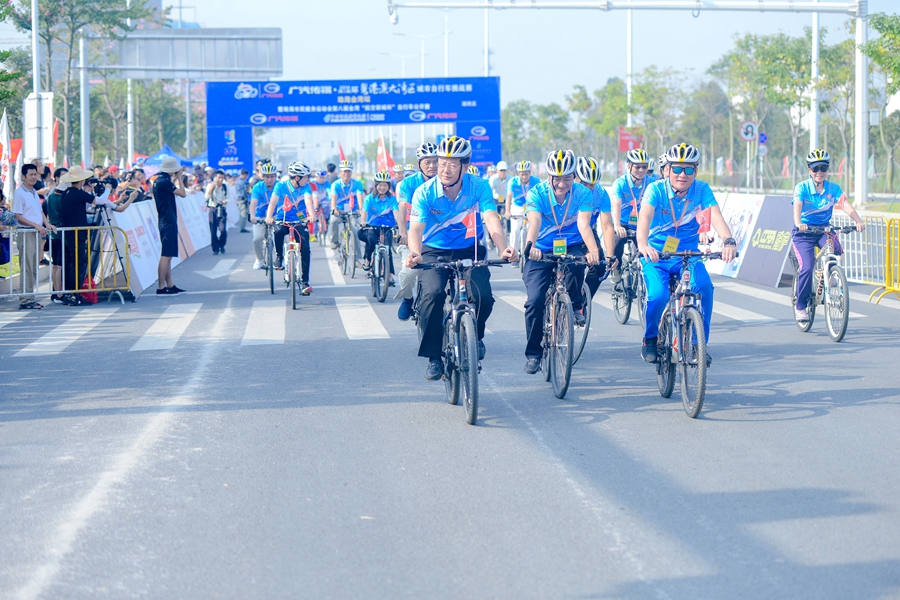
pixel 96 185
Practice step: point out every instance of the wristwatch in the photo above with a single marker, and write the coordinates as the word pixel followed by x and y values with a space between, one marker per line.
pixel 730 242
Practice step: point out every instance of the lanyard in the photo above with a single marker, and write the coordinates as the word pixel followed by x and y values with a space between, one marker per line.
pixel 553 204
pixel 291 192
pixel 687 202
pixel 631 191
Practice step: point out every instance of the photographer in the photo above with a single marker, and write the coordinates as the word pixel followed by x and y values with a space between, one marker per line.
pixel 76 201
pixel 134 180
pixel 168 185
pixel 216 198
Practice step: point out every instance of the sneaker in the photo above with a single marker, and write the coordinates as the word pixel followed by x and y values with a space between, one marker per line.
pixel 164 292
pixel 313 238
pixel 405 310
pixel 279 265
pixel 44 261
pixel 56 299
pixel 257 265
pixel 648 350
pixel 801 315
pixel 532 365
pixel 305 288
pixel 334 246
pixel 245 231
pixel 435 369
pixel 176 290
pixel 580 319
pixel 480 350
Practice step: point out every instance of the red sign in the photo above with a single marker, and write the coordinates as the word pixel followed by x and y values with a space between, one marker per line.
pixel 629 139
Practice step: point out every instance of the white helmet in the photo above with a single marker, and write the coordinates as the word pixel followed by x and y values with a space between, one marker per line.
pixel 523 166
pixel 683 153
pixel 397 168
pixel 560 163
pixel 409 168
pixel 502 166
pixel 662 160
pixel 298 169
pixel 651 166
pixel 637 156
pixel 346 165
pixel 269 168
pixel 818 156
pixel 455 147
pixel 587 170
pixel 426 150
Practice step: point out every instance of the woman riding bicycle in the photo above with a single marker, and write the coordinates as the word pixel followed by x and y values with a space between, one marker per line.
pixel 814 202
pixel 379 209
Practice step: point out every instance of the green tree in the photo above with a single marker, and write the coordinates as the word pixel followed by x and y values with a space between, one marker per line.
pixel 885 49
pixel 15 83
pixel 516 121
pixel 658 102
pixel 580 104
pixel 837 86
pixel 551 126
pixel 609 113
pixel 705 115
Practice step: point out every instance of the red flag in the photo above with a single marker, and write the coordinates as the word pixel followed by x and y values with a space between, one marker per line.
pixel 729 164
pixel 841 167
pixel 703 220
pixel 341 152
pixel 469 222
pixel 384 160
pixel 65 162
pixel 55 136
pixel 785 171
pixel 288 205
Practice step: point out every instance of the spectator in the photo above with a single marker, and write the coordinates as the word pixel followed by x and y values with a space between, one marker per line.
pixel 75 203
pixel 29 215
pixel 242 186
pixel 39 185
pixel 134 179
pixel 216 198
pixel 168 185
pixel 7 221
pixel 331 168
pixel 53 210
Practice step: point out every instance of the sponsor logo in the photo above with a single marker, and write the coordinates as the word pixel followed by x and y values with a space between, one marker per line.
pixel 258 118
pixel 271 88
pixel 417 116
pixel 245 90
pixel 478 131
pixel 230 137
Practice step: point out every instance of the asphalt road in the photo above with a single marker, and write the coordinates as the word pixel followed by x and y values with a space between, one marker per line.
pixel 217 445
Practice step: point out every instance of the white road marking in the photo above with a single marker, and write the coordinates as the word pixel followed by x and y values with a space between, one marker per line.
pixel 63 336
pixel 605 300
pixel 8 318
pixel 168 328
pixel 738 314
pixel 781 300
pixel 514 300
pixel 266 323
pixel 222 268
pixel 336 275
pixel 360 320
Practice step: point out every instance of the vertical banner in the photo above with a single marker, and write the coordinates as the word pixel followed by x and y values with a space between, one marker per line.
pixel 770 242
pixel 231 148
pixel 485 139
pixel 740 213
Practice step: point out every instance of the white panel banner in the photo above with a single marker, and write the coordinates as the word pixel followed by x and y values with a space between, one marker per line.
pixel 740 213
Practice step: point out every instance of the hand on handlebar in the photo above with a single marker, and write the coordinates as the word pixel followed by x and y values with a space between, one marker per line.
pixel 270 220
pixel 413 259
pixel 535 254
pixel 620 231
pixel 649 253
pixel 510 254
pixel 802 227
pixel 729 252
pixel 593 258
pixel 861 226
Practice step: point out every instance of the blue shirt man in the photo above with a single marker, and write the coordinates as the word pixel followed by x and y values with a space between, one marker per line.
pixel 342 194
pixel 520 189
pixel 676 217
pixel 292 206
pixel 630 192
pixel 601 204
pixel 262 194
pixel 559 220
pixel 408 187
pixel 449 224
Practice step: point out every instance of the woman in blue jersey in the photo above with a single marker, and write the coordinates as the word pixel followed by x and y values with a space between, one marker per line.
pixel 814 202
pixel 379 209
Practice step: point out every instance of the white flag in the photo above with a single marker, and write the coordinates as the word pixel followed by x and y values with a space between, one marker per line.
pixel 106 162
pixel 8 185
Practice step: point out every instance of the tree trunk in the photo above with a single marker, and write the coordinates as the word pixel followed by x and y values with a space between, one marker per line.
pixel 159 130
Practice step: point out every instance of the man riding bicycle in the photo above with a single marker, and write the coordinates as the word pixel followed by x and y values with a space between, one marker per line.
pixel 260 196
pixel 346 195
pixel 448 218
pixel 292 200
pixel 668 223
pixel 559 222
pixel 516 192
pixel 426 154
pixel 379 209
pixel 628 190
pixel 587 173
pixel 814 202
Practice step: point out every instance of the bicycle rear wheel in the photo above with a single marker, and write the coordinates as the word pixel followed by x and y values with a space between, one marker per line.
pixel 351 255
pixel 665 367
pixel 547 355
pixel 581 333
pixel 803 326
pixel 451 375
pixel 561 346
pixel 468 366
pixel 345 252
pixel 693 367
pixel 270 263
pixel 373 275
pixel 383 274
pixel 291 259
pixel 640 295
pixel 621 299
pixel 837 303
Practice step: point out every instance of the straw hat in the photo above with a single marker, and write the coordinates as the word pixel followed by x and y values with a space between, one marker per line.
pixel 170 164
pixel 76 173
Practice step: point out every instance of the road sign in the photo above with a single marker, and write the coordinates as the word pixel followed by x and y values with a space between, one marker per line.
pixel 629 139
pixel 763 138
pixel 762 150
pixel 748 131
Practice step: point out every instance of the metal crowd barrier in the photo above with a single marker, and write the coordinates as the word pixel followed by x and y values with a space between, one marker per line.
pixel 892 280
pixel 97 254
pixel 865 253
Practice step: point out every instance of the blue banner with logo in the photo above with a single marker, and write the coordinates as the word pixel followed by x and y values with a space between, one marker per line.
pixel 234 108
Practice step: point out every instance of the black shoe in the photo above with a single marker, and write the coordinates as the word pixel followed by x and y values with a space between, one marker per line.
pixel 532 365
pixel 708 360
pixel 435 369
pixel 580 320
pixel 57 299
pixel 245 231
pixel 215 251
pixel 305 288
pixel 648 350
pixel 164 292
pixel 405 310
pixel 176 290
pixel 222 250
pixel 480 350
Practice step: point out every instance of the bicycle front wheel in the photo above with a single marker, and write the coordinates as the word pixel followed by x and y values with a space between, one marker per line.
pixel 561 346
pixel 640 295
pixel 803 326
pixel 665 367
pixel 451 375
pixel 270 263
pixel 383 273
pixel 547 355
pixel 693 364
pixel 837 303
pixel 621 300
pixel 581 333
pixel 345 251
pixel 468 366
pixel 291 258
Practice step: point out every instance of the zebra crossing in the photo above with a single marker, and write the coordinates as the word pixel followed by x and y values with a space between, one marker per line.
pixel 349 317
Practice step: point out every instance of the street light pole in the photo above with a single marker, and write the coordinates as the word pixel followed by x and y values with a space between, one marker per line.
pixel 36 78
pixel 487 60
pixel 814 72
pixel 130 112
pixel 629 67
pixel 85 106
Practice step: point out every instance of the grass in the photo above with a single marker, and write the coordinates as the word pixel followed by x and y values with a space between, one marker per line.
pixel 5 269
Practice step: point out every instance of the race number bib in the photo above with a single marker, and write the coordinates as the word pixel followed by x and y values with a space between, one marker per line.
pixel 559 247
pixel 671 244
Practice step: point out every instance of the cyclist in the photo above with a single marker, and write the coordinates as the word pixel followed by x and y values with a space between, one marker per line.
pixel 399 174
pixel 662 167
pixel 651 168
pixel 587 173
pixel 379 208
pixel 409 170
pixel 473 171
pixel 668 223
pixel 499 182
pixel 260 196
pixel 449 215
pixel 516 192
pixel 323 198
pixel 346 195
pixel 559 221
pixel 628 190
pixel 426 154
pixel 292 200
pixel 814 202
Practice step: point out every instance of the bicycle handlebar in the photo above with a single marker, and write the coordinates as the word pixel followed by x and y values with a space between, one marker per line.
pixel 465 263
pixel 830 229
pixel 694 254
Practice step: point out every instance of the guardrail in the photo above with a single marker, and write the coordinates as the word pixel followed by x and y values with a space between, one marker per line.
pixel 892 258
pixel 83 260
pixel 865 253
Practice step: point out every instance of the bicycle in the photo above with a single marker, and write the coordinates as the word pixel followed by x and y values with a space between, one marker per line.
pixel 682 339
pixel 632 285
pixel 380 271
pixel 322 226
pixel 559 324
pixel 829 286
pixel 460 344
pixel 347 245
pixel 521 234
pixel 269 252
pixel 291 254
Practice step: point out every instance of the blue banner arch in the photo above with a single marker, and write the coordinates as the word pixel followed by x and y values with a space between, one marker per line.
pixel 233 109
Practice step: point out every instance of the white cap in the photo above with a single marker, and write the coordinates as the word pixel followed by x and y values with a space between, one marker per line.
pixel 502 166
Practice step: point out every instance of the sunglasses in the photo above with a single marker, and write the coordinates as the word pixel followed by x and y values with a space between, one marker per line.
pixel 819 169
pixel 685 170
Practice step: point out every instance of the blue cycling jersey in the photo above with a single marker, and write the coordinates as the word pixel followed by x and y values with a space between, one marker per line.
pixel 380 211
pixel 407 188
pixel 677 217
pixel 625 189
pixel 602 203
pixel 342 194
pixel 291 201
pixel 449 224
pixel 262 195
pixel 519 190
pixel 559 219
pixel 816 209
